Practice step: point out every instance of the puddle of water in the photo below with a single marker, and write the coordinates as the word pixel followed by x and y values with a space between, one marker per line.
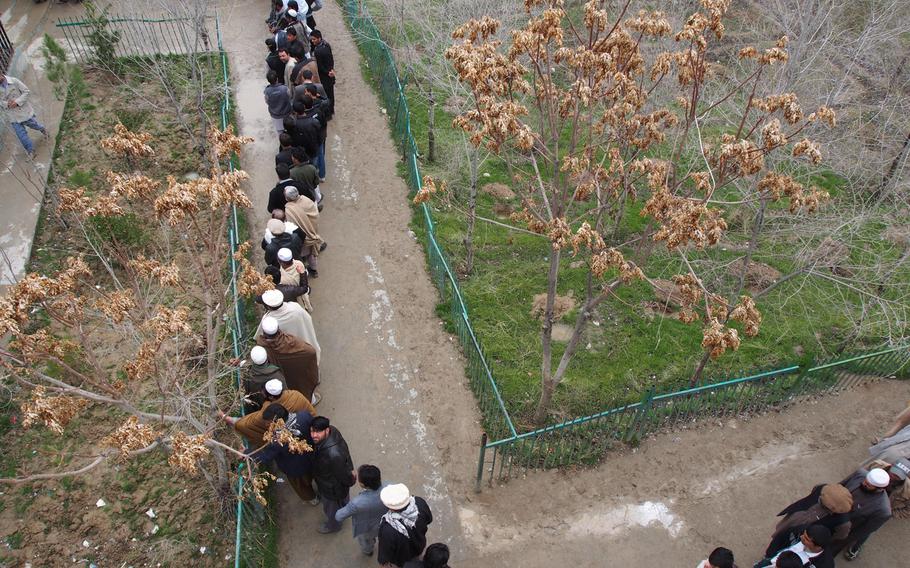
pixel 619 519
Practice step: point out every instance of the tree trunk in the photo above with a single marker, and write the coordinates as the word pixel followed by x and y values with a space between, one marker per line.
pixel 431 128
pixel 472 213
pixel 547 384
pixel 892 169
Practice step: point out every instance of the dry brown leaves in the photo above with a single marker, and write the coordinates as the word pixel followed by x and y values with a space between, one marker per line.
pixel 166 274
pixel 259 484
pixel 182 199
pixel 225 142
pixel 128 144
pixel 775 186
pixel 186 451
pixel 278 432
pixel 132 435
pixel 250 282
pixel 42 344
pixel 427 189
pixel 716 338
pixel 37 289
pixel 55 412
pixel 116 305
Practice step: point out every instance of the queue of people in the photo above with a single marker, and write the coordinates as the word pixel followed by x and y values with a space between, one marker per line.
pixel 281 375
pixel 836 520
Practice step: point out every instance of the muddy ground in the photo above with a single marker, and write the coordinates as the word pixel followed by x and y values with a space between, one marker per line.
pixel 393 383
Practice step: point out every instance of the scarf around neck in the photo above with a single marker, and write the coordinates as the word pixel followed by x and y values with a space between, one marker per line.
pixel 403 520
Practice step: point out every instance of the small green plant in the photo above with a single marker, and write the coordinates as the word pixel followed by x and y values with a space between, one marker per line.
pixel 102 39
pixel 14 541
pixel 124 230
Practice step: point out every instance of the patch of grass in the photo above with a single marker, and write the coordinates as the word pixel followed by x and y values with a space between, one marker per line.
pixel 14 541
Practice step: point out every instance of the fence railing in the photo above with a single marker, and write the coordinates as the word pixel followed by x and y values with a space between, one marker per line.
pixel 131 37
pixel 503 451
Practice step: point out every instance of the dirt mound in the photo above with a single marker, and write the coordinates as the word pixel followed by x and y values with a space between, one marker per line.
pixel 666 293
pixel 498 190
pixel 758 275
pixel 830 253
pixel 561 305
pixel 898 235
pixel 503 210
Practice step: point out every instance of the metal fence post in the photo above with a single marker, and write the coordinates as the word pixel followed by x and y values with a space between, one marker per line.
pixel 483 453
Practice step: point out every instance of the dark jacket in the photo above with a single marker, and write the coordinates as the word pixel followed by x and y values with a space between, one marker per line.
pixel 296 49
pixel 318 114
pixel 296 70
pixel 284 157
pixel 395 548
pixel 293 465
pixel 276 195
pixel 333 466
pixel 782 538
pixel 254 378
pixel 276 64
pixel 289 291
pixel 307 130
pixel 324 60
pixel 284 240
pixel 307 179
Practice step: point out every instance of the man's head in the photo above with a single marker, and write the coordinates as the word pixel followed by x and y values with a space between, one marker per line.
pixel 298 107
pixel 307 75
pixel 278 214
pixel 285 256
pixel 316 37
pixel 291 194
pixel 292 34
pixel 274 412
pixel 285 140
pixel 311 91
pixel 283 55
pixel 292 5
pixel 369 476
pixel 395 497
pixel 788 559
pixel 298 156
pixel 272 389
pixel 320 429
pixel 307 101
pixel 283 171
pixel 270 43
pixel 436 556
pixel 836 498
pixel 876 481
pixel 273 299
pixel 272 77
pixel 816 538
pixel 289 125
pixel 721 557
pixel 900 470
pixel 258 355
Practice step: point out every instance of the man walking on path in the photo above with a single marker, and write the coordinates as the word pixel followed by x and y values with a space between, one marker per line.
pixel 296 357
pixel 325 63
pixel 333 471
pixel 15 100
pixel 366 508
pixel 871 509
pixel 403 530
pixel 303 212
pixel 290 317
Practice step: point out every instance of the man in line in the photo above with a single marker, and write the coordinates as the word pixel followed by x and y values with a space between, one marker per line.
pixel 811 547
pixel 437 556
pixel 19 111
pixel 403 529
pixel 280 239
pixel 296 357
pixel 253 427
pixel 720 557
pixel 289 63
pixel 303 212
pixel 273 60
pixel 295 465
pixel 871 509
pixel 256 374
pixel 276 194
pixel 305 175
pixel 318 116
pixel 366 508
pixel 333 471
pixel 290 318
pixel 307 76
pixel 325 62
pixel 828 505
pixel 278 101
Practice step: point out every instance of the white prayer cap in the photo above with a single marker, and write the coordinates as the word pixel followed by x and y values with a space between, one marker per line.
pixel 878 478
pixel 395 496
pixel 284 254
pixel 275 226
pixel 292 13
pixel 258 354
pixel 274 387
pixel 273 298
pixel 269 325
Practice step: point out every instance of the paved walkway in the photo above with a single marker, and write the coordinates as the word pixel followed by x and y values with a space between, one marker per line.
pixel 22 182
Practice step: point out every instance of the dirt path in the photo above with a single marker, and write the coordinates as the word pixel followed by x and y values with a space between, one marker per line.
pixel 383 350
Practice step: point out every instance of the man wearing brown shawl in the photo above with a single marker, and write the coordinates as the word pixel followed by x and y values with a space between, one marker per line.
pixel 296 357
pixel 256 374
pixel 253 426
pixel 304 213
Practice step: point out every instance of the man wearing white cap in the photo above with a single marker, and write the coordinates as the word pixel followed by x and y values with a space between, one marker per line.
pixel 257 372
pixel 871 509
pixel 291 318
pixel 296 357
pixel 253 427
pixel 403 529
pixel 280 239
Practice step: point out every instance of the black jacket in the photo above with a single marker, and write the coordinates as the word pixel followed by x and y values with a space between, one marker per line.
pixel 284 157
pixel 284 240
pixel 296 70
pixel 324 60
pixel 307 130
pixel 395 548
pixel 276 195
pixel 333 466
pixel 320 115
pixel 293 465
pixel 276 64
